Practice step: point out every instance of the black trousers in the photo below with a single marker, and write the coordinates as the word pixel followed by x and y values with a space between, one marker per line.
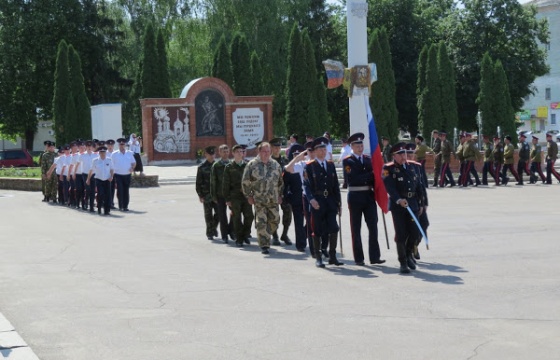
pixel 299 227
pixel 123 193
pixel 80 189
pixel 362 203
pixel 522 167
pixel 139 166
pixel 103 195
pixel 406 232
pixel 90 191
pixel 487 169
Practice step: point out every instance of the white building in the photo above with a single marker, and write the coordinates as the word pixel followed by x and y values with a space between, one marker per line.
pixel 541 112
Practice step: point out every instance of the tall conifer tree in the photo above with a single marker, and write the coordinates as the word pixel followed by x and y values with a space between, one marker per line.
pixel 420 86
pixel 308 83
pixel 257 86
pixel 296 96
pixel 150 65
pixel 505 113
pixel 241 65
pixel 163 69
pixel 431 96
pixel 221 67
pixel 485 99
pixel 82 122
pixel 448 99
pixel 61 92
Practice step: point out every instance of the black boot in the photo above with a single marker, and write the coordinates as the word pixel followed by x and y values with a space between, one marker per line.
pixel 285 237
pixel 410 262
pixel 275 240
pixel 332 250
pixel 318 257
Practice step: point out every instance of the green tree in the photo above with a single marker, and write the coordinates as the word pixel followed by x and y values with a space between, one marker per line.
pixel 162 68
pixel 383 100
pixel 296 95
pixel 132 106
pixel 256 75
pixel 308 87
pixel 486 96
pixel 62 94
pixel 241 65
pixel 431 96
pixel 323 115
pixel 502 103
pixel 150 66
pixel 82 107
pixel 420 88
pixel 509 32
pixel 448 97
pixel 222 63
pixel 70 133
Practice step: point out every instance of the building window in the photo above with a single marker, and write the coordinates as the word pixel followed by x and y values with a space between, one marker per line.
pixel 547 94
pixel 552 119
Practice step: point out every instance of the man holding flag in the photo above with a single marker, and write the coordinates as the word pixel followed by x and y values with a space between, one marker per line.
pixel 358 173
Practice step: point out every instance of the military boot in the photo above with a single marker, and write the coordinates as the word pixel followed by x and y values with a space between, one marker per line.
pixel 275 240
pixel 332 250
pixel 285 237
pixel 318 257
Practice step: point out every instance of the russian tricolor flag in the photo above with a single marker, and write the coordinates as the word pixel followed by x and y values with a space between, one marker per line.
pixel 335 73
pixel 381 196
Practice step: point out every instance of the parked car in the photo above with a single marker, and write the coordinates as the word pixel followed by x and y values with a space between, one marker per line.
pixel 16 158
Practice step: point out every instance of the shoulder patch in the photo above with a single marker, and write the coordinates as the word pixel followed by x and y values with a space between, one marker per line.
pixel 348 169
pixel 385 172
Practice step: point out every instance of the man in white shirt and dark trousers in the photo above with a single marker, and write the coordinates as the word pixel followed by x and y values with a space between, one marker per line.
pixel 134 146
pixel 124 163
pixel 86 160
pixel 103 169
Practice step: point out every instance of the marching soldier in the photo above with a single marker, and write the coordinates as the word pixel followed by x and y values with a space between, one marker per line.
pixel 275 145
pixel 536 160
pixel 487 148
pixel 508 161
pixel 216 189
pixel 86 161
pixel 471 155
pixel 322 189
pixel 498 156
pixel 523 162
pixel 437 156
pixel 242 212
pixel 203 191
pixel 102 167
pixel 44 174
pixel 262 185
pixel 405 190
pixel 551 156
pixel 387 156
pixel 464 178
pixel 47 161
pixel 361 200
pixel 446 150
pixel 420 152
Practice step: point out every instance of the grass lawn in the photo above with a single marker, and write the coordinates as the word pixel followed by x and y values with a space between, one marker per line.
pixel 21 172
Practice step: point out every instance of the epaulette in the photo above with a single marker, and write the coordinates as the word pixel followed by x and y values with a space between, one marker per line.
pixel 309 162
pixel 347 156
pixel 413 162
pixel 391 163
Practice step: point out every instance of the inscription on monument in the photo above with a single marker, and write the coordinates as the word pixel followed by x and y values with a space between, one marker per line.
pixel 248 126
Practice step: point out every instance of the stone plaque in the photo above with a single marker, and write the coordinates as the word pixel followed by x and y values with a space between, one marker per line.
pixel 248 126
pixel 210 117
pixel 170 126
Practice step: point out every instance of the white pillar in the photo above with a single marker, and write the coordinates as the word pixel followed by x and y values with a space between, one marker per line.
pixel 356 15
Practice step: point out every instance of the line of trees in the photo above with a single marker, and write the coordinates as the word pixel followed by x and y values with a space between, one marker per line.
pixel 110 37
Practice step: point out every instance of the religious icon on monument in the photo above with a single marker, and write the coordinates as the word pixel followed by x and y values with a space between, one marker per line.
pixel 209 114
pixel 168 139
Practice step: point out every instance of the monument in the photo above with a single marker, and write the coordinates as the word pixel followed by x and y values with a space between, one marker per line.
pixel 206 113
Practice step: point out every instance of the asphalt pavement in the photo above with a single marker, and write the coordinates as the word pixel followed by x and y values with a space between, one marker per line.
pixel 147 284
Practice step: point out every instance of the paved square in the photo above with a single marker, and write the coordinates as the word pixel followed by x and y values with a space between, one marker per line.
pixel 148 285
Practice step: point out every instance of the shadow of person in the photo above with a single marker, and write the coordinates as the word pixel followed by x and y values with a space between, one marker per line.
pixel 435 278
pixel 362 271
pixel 137 212
pixel 440 267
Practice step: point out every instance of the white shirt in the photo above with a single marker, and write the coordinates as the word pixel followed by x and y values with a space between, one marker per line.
pixel 75 162
pixel 134 146
pixel 347 150
pixel 67 161
pixel 59 161
pixel 102 168
pixel 123 162
pixel 86 160
pixel 329 152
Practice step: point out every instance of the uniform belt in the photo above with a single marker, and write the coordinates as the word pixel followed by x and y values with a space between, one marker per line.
pixel 408 195
pixel 359 188
pixel 324 193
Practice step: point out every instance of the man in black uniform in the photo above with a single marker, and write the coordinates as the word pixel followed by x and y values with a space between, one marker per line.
pixel 405 189
pixel 423 218
pixel 203 191
pixel 293 195
pixel 275 146
pixel 358 173
pixel 322 189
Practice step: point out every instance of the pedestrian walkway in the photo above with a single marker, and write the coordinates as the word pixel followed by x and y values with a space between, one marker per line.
pixel 12 346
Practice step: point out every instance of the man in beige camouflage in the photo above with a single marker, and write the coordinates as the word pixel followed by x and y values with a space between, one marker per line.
pixel 262 184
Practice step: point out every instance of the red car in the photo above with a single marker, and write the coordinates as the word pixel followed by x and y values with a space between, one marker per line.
pixel 16 158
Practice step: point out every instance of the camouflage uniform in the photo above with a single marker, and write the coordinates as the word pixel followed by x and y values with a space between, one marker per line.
pixel 50 184
pixel 263 182
pixel 43 178
pixel 203 190
pixel 285 206
pixel 233 174
pixel 387 155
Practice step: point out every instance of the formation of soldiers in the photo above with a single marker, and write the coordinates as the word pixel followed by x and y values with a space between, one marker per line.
pixel 87 174
pixel 497 156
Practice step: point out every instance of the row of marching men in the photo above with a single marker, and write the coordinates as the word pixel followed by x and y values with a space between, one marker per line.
pixel 86 174
pixel 311 188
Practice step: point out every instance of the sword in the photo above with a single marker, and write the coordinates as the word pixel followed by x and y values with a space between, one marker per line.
pixel 419 227
pixel 385 226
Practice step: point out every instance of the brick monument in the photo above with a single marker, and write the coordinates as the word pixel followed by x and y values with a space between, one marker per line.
pixel 206 113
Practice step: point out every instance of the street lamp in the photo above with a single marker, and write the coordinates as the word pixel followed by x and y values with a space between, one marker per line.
pixel 479 122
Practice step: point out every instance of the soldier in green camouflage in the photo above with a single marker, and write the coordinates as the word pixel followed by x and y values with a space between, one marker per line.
pixel 262 184
pixel 242 212
pixel 387 154
pixel 43 175
pixel 203 190
pixel 216 189
pixel 50 182
pixel 275 145
pixel 436 146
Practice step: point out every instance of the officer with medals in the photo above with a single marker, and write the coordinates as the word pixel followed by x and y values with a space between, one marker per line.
pixel 358 173
pixel 405 190
pixel 203 191
pixel 322 189
pixel 275 146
